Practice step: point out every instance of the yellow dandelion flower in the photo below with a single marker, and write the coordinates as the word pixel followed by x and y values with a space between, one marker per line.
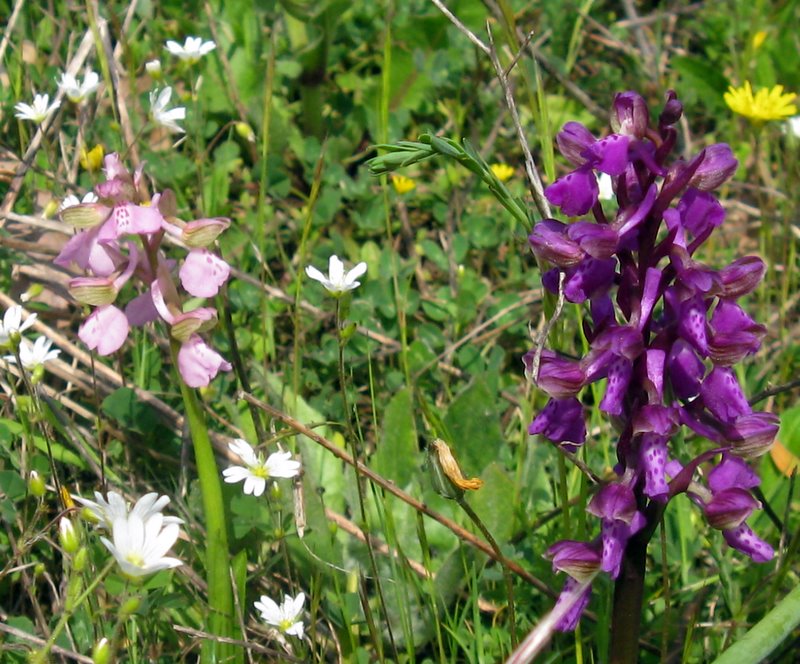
pixel 402 184
pixel 502 172
pixel 767 104
pixel 92 160
pixel 759 38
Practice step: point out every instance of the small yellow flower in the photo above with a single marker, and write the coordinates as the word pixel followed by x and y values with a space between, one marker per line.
pixel 502 172
pixel 767 104
pixel 759 38
pixel 92 160
pixel 402 184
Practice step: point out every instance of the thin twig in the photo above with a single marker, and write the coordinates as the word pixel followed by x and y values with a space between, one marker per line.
pixel 460 532
pixel 535 182
pixel 30 638
pixel 461 27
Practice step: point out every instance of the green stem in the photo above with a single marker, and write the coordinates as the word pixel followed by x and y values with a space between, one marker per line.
pixel 512 618
pixel 220 594
pixel 626 616
pixel 352 435
pixel 42 655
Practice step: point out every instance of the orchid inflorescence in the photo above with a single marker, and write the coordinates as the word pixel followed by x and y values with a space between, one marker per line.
pixel 662 328
pixel 120 239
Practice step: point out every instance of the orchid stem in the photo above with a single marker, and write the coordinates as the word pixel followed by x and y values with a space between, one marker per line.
pixel 220 594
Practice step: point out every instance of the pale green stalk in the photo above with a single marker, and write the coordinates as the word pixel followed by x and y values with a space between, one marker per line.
pixel 43 655
pixel 221 621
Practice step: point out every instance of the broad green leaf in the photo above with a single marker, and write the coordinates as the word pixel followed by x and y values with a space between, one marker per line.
pixel 397 456
pixel 474 423
pixel 767 634
pixel 493 502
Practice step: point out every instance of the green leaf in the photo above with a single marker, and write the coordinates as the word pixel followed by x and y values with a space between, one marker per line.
pixel 493 501
pixel 767 634
pixel 397 455
pixel 124 406
pixel 474 423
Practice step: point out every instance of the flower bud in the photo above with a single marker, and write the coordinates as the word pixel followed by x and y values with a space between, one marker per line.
pixel 92 160
pixel 742 276
pixel 51 208
pixel 629 115
pixel 559 377
pixel 202 232
pixel 752 434
pixel 153 67
pixel 85 215
pixel 70 541
pixel 95 291
pixel 246 132
pixel 573 140
pixel 130 607
pixel 81 559
pixel 193 322
pixel 101 653
pixel 672 112
pixel 614 501
pixel 36 484
pixel 717 166
pixel 550 242
pixel 275 491
pixel 730 508
pixel 580 560
pixel 448 480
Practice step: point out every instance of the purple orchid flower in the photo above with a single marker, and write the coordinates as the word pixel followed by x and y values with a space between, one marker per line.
pixel 663 332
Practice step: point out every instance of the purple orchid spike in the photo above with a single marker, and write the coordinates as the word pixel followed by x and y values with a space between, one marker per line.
pixel 662 329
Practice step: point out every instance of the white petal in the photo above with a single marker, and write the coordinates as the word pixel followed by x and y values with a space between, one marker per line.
pixel 356 272
pixel 335 270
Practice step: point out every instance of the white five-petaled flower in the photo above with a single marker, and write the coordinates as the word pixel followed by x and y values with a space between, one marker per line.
pixel 34 354
pixel 37 112
pixel 256 471
pixel 192 50
pixel 139 544
pixel 337 281
pixel 107 510
pixel 166 117
pixel 77 92
pixel 605 186
pixel 286 616
pixel 12 323
pixel 71 200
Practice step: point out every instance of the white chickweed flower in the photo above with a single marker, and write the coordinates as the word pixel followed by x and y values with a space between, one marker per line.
pixel 71 200
pixel 34 354
pixel 12 323
pixel 286 616
pixel 37 112
pixel 153 67
pixel 606 187
pixel 192 50
pixel 256 471
pixel 793 125
pixel 77 92
pixel 105 511
pixel 139 544
pixel 337 281
pixel 166 117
